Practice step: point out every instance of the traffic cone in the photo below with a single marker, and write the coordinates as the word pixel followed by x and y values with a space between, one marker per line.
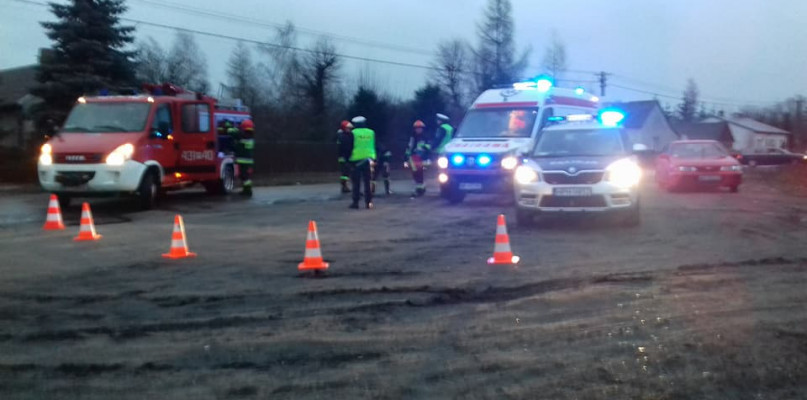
pixel 179 246
pixel 87 229
pixel 313 255
pixel 501 250
pixel 53 221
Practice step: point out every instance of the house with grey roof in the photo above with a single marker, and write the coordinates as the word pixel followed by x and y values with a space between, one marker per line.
pixel 646 124
pixel 752 136
pixel 718 130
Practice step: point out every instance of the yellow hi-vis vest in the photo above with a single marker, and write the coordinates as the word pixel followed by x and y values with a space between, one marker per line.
pixel 363 144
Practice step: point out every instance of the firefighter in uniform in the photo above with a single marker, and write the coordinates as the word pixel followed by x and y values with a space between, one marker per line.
pixel 244 140
pixel 443 134
pixel 361 159
pixel 417 152
pixel 382 168
pixel 344 143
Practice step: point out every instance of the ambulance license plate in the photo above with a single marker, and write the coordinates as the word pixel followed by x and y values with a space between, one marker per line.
pixel 571 191
pixel 469 186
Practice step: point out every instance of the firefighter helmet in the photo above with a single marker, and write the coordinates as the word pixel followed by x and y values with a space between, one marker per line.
pixel 345 125
pixel 247 125
pixel 419 124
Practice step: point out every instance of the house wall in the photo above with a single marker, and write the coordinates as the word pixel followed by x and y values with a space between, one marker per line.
pixel 656 132
pixel 768 140
pixel 743 138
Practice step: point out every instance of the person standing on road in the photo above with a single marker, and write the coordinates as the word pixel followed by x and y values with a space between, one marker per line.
pixel 382 168
pixel 417 152
pixel 443 134
pixel 344 143
pixel 244 140
pixel 361 159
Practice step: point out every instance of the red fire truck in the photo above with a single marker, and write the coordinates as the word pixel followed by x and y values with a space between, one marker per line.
pixel 141 145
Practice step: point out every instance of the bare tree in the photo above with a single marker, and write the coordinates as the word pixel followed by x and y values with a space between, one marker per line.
pixel 451 72
pixel 495 58
pixel 554 61
pixel 150 62
pixel 186 64
pixel 318 74
pixel 281 68
pixel 242 76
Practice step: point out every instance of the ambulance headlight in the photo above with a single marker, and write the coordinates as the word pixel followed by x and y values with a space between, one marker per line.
pixel 442 162
pixel 442 178
pixel 120 154
pixel 624 173
pixel 525 175
pixel 509 162
pixel 46 156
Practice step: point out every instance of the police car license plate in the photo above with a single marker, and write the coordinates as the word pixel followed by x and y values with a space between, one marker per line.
pixel 470 186
pixel 571 191
pixel 709 178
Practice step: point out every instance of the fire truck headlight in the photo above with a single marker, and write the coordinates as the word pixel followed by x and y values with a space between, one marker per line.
pixel 120 154
pixel 442 162
pixel 46 157
pixel 509 162
pixel 525 175
pixel 624 173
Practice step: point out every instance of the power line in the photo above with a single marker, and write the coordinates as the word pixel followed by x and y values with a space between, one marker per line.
pixel 657 94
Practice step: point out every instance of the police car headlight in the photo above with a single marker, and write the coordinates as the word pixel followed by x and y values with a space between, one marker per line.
pixel 46 156
pixel 624 173
pixel 525 175
pixel 120 154
pixel 442 162
pixel 509 162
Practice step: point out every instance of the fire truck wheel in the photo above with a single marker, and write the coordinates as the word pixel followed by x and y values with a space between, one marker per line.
pixel 222 186
pixel 148 191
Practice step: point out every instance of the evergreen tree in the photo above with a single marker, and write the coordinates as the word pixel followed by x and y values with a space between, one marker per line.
pixel 88 54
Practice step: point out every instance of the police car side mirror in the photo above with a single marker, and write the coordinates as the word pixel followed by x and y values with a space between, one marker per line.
pixel 638 148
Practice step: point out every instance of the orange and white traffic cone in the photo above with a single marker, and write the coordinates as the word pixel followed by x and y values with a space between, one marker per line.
pixel 179 246
pixel 501 250
pixel 87 229
pixel 313 255
pixel 53 221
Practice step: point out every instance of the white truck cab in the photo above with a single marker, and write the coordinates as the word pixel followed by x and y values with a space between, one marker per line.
pixel 501 126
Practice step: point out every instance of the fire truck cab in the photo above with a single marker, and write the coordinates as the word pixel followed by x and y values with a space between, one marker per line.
pixel 501 126
pixel 140 145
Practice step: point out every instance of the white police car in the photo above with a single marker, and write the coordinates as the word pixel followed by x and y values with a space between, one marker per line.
pixel 583 164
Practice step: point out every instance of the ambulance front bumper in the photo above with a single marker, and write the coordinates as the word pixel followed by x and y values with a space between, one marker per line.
pixel 91 178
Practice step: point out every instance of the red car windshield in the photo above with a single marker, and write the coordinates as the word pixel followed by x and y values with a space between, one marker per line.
pixel 697 150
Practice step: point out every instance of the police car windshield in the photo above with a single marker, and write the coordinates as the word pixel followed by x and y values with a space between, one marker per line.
pixel 498 123
pixel 579 142
pixel 697 150
pixel 107 117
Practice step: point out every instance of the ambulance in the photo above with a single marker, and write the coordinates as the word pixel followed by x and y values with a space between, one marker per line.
pixel 140 145
pixel 501 126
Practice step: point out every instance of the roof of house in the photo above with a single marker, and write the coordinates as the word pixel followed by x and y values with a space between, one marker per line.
pixel 15 83
pixel 752 124
pixel 636 112
pixel 704 130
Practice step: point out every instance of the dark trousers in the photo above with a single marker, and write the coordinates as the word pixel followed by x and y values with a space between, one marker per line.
pixel 416 163
pixel 382 169
pixel 362 173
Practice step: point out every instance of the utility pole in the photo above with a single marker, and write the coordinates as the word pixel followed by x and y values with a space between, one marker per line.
pixel 603 82
pixel 797 133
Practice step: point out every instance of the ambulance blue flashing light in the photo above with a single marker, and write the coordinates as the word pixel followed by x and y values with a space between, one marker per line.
pixel 611 117
pixel 556 118
pixel 457 159
pixel 579 91
pixel 543 84
pixel 484 160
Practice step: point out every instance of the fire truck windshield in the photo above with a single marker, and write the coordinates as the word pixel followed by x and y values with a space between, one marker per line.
pixel 107 117
pixel 498 123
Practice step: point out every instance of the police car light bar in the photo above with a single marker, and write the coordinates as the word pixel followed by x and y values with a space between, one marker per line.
pixel 542 85
pixel 611 117
pixel 579 117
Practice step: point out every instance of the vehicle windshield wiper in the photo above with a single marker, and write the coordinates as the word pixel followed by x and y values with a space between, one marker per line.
pixel 108 127
pixel 75 129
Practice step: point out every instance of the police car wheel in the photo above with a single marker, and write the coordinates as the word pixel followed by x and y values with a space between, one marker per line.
pixel 148 191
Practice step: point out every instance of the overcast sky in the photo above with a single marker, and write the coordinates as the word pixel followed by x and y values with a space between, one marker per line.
pixel 738 51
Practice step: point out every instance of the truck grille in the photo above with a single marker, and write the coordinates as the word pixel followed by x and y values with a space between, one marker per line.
pixel 572 201
pixel 74 178
pixel 582 178
pixel 77 158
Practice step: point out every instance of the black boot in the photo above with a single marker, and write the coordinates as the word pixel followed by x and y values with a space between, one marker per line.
pixel 386 188
pixel 246 191
pixel 345 188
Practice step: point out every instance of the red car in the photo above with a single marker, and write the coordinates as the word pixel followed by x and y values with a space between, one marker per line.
pixel 698 163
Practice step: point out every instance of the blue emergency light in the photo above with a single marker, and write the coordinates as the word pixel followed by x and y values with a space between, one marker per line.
pixel 611 117
pixel 484 160
pixel 457 159
pixel 579 91
pixel 543 84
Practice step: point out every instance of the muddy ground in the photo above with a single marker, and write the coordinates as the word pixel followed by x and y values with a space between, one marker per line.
pixel 706 299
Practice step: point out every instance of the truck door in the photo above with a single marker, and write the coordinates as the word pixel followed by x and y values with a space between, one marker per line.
pixel 160 144
pixel 197 139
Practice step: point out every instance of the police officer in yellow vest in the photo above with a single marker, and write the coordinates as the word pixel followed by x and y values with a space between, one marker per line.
pixel 443 135
pixel 362 158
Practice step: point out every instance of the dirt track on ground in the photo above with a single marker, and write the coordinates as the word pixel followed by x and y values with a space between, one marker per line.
pixel 705 300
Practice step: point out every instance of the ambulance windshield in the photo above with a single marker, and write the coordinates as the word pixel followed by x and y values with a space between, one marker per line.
pixel 107 117
pixel 498 123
